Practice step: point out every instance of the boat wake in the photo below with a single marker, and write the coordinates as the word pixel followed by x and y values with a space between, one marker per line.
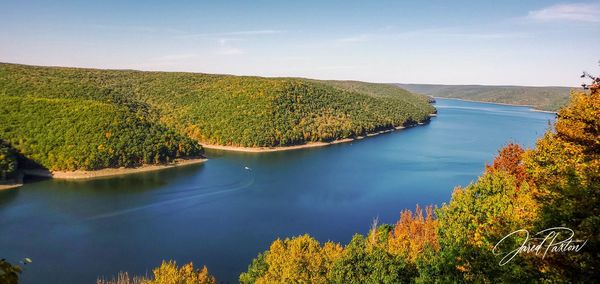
pixel 197 194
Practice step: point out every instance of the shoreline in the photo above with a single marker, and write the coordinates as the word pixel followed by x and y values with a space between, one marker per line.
pixel 531 107
pixel 110 172
pixel 296 147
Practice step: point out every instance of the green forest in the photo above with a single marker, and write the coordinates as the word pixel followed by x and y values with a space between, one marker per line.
pixel 71 134
pixel 540 98
pixel 74 118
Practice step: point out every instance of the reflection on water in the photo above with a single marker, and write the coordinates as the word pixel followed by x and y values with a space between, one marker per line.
pixel 222 215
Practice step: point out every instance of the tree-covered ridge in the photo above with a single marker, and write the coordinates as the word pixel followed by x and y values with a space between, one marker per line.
pixel 229 110
pixel 372 89
pixel 541 98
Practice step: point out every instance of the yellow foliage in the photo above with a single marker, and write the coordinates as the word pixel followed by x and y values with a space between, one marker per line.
pixel 169 273
pixel 574 149
pixel 487 210
pixel 299 260
pixel 565 167
pixel 193 131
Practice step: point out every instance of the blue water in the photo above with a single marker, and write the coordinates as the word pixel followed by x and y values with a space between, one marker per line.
pixel 222 215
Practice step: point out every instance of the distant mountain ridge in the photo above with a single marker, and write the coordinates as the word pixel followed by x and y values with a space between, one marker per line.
pixel 541 98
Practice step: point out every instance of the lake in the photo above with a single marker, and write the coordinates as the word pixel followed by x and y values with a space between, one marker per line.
pixel 222 215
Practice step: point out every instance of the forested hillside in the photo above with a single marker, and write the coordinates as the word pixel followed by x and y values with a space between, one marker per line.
pixel 373 89
pixel 70 134
pixel 73 118
pixel 541 98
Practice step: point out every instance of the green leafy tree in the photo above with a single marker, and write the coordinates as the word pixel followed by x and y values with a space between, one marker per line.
pixel 365 263
pixel 474 221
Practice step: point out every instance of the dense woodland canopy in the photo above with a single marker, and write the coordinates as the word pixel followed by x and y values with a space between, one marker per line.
pixel 72 118
pixel 71 134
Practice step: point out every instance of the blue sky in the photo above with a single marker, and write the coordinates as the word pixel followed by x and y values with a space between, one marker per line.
pixel 447 42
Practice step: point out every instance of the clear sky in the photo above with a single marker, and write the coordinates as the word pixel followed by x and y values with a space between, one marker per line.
pixel 448 42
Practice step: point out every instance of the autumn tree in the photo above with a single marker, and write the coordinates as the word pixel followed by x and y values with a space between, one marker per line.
pixel 565 166
pixel 413 233
pixel 510 160
pixel 169 273
pixel 297 260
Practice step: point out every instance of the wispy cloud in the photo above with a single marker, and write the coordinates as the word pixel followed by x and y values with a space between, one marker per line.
pixel 575 12
pixel 176 57
pixel 139 29
pixel 490 35
pixel 224 41
pixel 228 50
pixel 225 47
pixel 232 34
pixel 381 34
pixel 357 38
pixel 462 33
pixel 337 67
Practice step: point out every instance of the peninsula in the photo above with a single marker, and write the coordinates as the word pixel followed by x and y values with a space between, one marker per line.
pixel 65 120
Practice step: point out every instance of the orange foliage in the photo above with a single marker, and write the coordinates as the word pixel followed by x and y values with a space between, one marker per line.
pixel 413 232
pixel 509 159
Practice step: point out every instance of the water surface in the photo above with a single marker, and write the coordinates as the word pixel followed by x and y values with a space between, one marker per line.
pixel 222 215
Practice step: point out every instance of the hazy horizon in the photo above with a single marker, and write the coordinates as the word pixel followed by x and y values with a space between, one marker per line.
pixel 310 78
pixel 513 43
